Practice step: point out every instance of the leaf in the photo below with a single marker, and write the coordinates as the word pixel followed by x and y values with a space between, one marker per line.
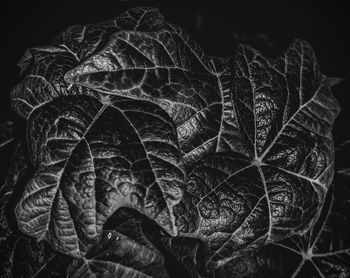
pixel 17 171
pixel 169 69
pixel 191 254
pixel 88 166
pixel 124 250
pixel 119 256
pixel 44 67
pixel 22 256
pixel 236 203
pixel 84 40
pixel 283 99
pixel 115 255
pixel 121 113
pixel 324 251
pixel 14 164
pixel 80 41
pixel 131 223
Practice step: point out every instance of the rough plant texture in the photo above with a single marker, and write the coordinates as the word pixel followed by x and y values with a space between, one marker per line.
pixel 130 125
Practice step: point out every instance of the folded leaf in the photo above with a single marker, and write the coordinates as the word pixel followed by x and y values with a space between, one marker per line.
pixel 93 158
pixel 169 69
pixel 115 255
pixel 124 114
pixel 44 67
pixel 119 256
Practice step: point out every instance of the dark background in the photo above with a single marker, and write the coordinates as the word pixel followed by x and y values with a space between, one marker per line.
pixel 268 25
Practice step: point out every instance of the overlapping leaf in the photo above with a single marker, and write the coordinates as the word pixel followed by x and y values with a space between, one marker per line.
pixel 324 251
pixel 285 112
pixel 22 256
pixel 119 256
pixel 115 255
pixel 92 158
pixel 169 69
pixel 118 111
pixel 46 66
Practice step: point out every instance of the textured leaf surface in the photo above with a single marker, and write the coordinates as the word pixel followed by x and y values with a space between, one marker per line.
pixel 88 166
pixel 324 251
pixel 126 113
pixel 130 256
pixel 169 69
pixel 115 255
pixel 191 254
pixel 123 251
pixel 16 173
pixel 22 256
pixel 285 112
pixel 44 67
pixel 119 256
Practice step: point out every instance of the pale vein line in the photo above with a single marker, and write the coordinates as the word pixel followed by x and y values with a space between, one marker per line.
pixel 222 94
pixel 268 201
pixel 331 253
pixel 140 19
pixel 190 48
pixel 323 224
pixel 42 267
pixel 301 74
pixel 201 145
pixel 318 270
pixel 125 268
pixel 253 98
pixel 213 189
pixel 313 181
pixel 295 273
pixel 146 151
pixel 198 112
pixel 164 47
pixel 287 85
pixel 239 227
pixel 94 195
pixel 63 169
pixel 138 50
pixel 42 103
pixel 286 247
pixel 287 123
pixel 71 52
pixel 6 142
